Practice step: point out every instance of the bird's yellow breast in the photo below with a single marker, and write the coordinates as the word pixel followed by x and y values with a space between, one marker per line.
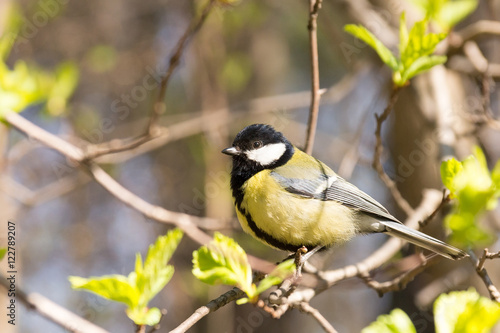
pixel 293 219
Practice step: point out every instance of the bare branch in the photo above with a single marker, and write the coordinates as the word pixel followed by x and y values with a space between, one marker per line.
pixel 307 308
pixel 483 27
pixel 483 274
pixel 399 282
pixel 53 312
pixel 212 306
pixel 159 106
pixel 314 7
pixel 379 148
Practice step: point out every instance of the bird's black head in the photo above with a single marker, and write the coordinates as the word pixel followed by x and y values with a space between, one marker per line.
pixel 255 148
pixel 261 147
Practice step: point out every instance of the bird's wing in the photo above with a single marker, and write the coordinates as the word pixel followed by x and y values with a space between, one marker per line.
pixel 328 187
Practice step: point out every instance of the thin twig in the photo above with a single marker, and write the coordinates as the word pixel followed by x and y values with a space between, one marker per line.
pixel 400 281
pixel 153 130
pixel 446 198
pixel 314 7
pixel 52 311
pixel 379 148
pixel 483 27
pixel 192 29
pixel 307 308
pixel 212 306
pixel 483 274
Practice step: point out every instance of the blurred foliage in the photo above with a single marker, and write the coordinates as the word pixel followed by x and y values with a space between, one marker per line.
pixel 26 84
pixel 3 251
pixel 101 58
pixel 223 261
pixel 465 312
pixel 475 190
pixel 140 286
pixel 456 312
pixel 415 49
pixel 446 13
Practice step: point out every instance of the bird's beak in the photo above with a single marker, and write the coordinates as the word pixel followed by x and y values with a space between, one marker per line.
pixel 231 151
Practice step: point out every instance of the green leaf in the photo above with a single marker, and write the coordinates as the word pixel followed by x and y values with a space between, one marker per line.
pixel 116 288
pixel 223 261
pixel 421 65
pixel 66 80
pixel 155 274
pixel 281 272
pixel 420 43
pixel 395 322
pixel 452 12
pixel 366 36
pixel 403 33
pixel 449 170
pixel 465 311
pixel 3 251
pixel 144 316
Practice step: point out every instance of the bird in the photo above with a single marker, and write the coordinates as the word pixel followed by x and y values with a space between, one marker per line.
pixel 288 199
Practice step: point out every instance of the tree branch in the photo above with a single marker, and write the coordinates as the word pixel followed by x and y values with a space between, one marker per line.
pixel 53 312
pixel 379 148
pixel 483 274
pixel 192 29
pixel 307 308
pixel 314 7
pixel 212 306
pixel 400 281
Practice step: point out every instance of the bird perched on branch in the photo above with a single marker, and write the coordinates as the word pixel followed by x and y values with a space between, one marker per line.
pixel 289 199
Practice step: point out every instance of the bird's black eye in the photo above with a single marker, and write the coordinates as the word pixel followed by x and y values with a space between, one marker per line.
pixel 257 144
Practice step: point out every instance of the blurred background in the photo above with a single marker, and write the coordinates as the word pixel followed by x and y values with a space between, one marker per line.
pixel 248 64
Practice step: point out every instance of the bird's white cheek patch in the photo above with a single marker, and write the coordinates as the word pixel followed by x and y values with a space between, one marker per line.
pixel 267 154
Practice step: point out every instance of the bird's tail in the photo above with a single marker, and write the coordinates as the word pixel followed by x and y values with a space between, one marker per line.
pixel 418 238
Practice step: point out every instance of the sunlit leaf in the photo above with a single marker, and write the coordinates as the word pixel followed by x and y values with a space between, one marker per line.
pixel 395 322
pixel 112 287
pixel 281 272
pixel 421 65
pixel 155 274
pixel 449 170
pixel 144 316
pixel 452 12
pixel 223 261
pixel 465 311
pixel 366 36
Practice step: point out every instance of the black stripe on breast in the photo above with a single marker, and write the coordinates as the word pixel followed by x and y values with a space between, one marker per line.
pixel 261 234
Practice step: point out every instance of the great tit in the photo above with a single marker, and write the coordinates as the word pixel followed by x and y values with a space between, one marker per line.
pixel 289 199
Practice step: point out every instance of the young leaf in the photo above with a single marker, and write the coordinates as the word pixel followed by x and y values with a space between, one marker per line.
pixel 366 36
pixel 403 33
pixel 420 43
pixel 465 311
pixel 421 65
pixel 281 272
pixel 3 251
pixel 395 322
pixel 223 261
pixel 116 288
pixel 452 12
pixel 449 170
pixel 155 274
pixel 144 316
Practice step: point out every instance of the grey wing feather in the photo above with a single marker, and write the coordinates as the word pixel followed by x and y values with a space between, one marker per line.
pixel 334 188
